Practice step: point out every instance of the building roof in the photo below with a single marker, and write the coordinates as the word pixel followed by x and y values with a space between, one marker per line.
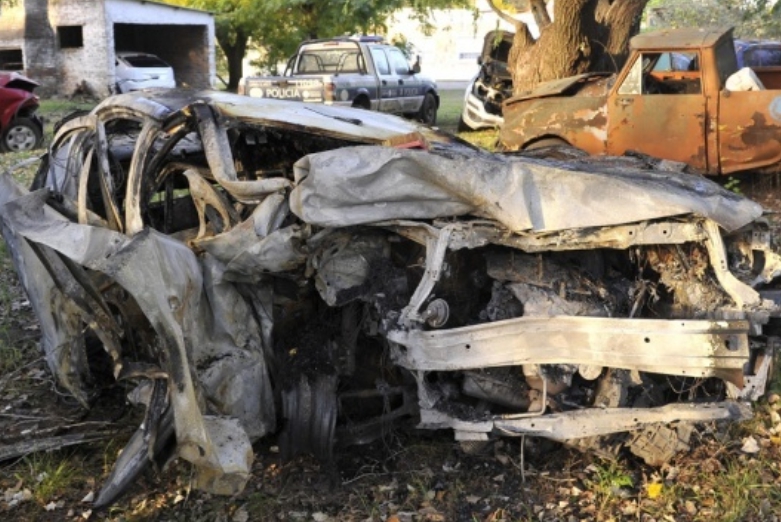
pixel 173 6
pixel 684 38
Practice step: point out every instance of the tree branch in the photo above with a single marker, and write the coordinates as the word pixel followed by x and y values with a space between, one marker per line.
pixel 504 16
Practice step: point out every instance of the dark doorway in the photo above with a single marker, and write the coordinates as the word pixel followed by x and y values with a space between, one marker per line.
pixel 184 47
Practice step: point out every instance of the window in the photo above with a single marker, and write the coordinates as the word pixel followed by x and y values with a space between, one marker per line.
pixel 677 62
pixel 380 62
pixel 663 73
pixel 70 36
pixel 633 80
pixel 11 60
pixel 398 62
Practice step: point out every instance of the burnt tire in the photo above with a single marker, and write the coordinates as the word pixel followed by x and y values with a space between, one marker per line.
pixel 428 110
pixel 310 408
pixel 22 134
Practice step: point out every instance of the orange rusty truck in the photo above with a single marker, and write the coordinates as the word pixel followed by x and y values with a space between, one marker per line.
pixel 679 97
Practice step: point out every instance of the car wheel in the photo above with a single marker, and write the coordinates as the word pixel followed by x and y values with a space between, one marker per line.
pixel 428 110
pixel 462 126
pixel 21 134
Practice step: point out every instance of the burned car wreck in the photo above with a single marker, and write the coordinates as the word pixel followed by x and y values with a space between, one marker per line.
pixel 247 266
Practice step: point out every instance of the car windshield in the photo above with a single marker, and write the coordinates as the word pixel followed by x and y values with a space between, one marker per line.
pixel 144 60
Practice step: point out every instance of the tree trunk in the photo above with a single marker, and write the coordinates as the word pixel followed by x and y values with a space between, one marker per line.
pixel 234 48
pixel 584 36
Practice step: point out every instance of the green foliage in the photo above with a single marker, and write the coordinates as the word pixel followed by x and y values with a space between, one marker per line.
pixel 733 184
pixel 751 18
pixel 606 484
pixel 611 476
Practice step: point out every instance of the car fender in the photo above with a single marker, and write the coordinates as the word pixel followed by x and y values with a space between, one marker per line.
pixel 14 101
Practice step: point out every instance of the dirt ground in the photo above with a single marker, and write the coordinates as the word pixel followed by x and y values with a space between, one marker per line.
pixel 731 472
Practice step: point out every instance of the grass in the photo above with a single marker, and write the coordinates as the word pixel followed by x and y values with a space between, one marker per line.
pixel 48 475
pixel 451 102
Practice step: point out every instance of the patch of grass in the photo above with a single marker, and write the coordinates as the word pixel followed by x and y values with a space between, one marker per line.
pixel 49 475
pixel 486 138
pixel 451 102
pixel 607 483
pixel 262 505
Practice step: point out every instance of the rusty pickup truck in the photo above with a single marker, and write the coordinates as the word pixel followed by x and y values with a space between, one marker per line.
pixel 670 101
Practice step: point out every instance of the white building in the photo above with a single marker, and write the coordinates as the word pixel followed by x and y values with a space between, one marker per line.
pixel 63 43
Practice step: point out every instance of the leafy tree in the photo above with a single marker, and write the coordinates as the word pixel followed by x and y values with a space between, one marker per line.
pixel 582 36
pixel 277 26
pixel 751 18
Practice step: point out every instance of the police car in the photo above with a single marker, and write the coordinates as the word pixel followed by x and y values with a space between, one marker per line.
pixel 360 72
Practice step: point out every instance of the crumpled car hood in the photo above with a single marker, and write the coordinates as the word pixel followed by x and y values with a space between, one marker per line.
pixel 359 186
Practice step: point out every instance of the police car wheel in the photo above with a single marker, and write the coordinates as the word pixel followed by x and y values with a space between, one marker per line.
pixel 428 110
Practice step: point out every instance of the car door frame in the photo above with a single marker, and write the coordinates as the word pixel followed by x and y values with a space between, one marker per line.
pixel 410 87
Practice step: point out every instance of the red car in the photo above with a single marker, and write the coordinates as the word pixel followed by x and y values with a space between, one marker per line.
pixel 20 128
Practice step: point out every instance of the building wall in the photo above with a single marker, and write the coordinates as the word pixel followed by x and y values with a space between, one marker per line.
pixel 12 29
pixel 25 31
pixel 90 62
pixel 182 37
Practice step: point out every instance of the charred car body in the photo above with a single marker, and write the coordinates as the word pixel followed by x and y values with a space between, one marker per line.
pixel 251 265
pixel 491 86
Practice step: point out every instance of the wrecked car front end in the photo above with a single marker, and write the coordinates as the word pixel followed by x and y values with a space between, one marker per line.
pixel 249 266
pixel 491 85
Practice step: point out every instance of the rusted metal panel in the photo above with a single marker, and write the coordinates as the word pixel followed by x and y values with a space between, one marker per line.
pixel 679 38
pixel 554 87
pixel 580 120
pixel 749 130
pixel 663 126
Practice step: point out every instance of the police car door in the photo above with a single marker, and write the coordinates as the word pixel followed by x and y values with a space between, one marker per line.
pixel 389 85
pixel 409 86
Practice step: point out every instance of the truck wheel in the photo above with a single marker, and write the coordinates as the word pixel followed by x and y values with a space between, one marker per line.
pixel 362 103
pixel 21 134
pixel 428 110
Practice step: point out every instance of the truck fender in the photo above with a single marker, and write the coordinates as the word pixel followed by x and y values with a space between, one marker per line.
pixel 363 99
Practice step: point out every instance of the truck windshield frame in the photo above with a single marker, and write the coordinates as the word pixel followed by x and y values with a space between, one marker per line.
pixel 330 60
